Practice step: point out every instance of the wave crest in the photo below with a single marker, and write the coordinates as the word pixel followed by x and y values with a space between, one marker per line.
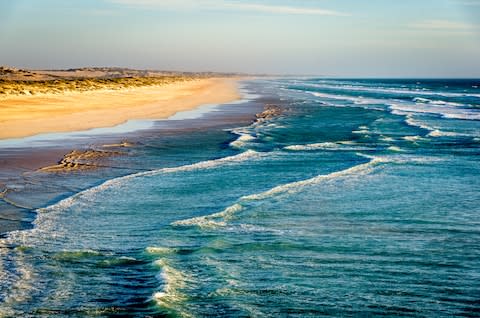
pixel 339 146
pixel 220 219
pixel 65 203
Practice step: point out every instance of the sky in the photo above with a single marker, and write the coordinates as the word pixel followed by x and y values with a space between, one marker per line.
pixel 338 38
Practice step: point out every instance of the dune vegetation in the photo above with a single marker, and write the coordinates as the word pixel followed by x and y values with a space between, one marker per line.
pixel 25 87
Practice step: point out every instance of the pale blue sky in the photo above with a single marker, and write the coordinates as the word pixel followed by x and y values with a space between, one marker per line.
pixel 384 38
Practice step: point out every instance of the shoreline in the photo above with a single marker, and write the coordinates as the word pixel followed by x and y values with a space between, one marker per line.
pixel 24 116
pixel 40 174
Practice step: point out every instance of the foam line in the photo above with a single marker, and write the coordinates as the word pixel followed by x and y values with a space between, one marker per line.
pixel 338 146
pixel 393 90
pixel 220 219
pixel 208 164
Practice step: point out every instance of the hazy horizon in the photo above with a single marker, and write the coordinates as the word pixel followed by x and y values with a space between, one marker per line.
pixel 315 38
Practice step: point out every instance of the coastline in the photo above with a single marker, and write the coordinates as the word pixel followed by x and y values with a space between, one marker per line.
pixel 194 203
pixel 40 170
pixel 23 116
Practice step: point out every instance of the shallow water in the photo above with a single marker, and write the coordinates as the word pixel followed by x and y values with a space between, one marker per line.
pixel 359 197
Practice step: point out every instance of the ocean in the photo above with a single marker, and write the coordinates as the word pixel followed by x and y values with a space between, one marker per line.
pixel 339 198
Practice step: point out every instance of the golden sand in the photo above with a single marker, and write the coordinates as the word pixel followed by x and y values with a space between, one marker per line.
pixel 22 116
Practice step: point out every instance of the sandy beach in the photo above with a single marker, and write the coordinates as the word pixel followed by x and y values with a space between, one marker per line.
pixel 22 116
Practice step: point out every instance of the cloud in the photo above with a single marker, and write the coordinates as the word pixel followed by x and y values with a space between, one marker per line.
pixel 442 25
pixel 468 2
pixel 283 9
pixel 230 5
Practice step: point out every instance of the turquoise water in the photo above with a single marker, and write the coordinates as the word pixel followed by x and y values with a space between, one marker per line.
pixel 358 198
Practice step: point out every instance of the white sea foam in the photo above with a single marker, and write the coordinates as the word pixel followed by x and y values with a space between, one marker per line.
pixel 245 135
pixel 395 148
pixel 413 138
pixel 362 132
pixel 433 131
pixel 443 110
pixel 340 146
pixel 360 100
pixel 173 281
pixel 398 113
pixel 249 154
pixel 421 100
pixel 471 115
pixel 348 142
pixel 421 92
pixel 315 146
pixel 252 228
pixel 19 282
pixel 241 141
pixel 416 123
pixel 334 96
pixel 422 105
pixel 436 102
pixel 208 164
pixel 403 159
pixel 214 220
pixel 386 138
pixel 439 133
pixel 160 250
pixel 298 185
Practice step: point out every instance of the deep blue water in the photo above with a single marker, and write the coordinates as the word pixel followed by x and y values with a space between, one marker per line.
pixel 356 198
